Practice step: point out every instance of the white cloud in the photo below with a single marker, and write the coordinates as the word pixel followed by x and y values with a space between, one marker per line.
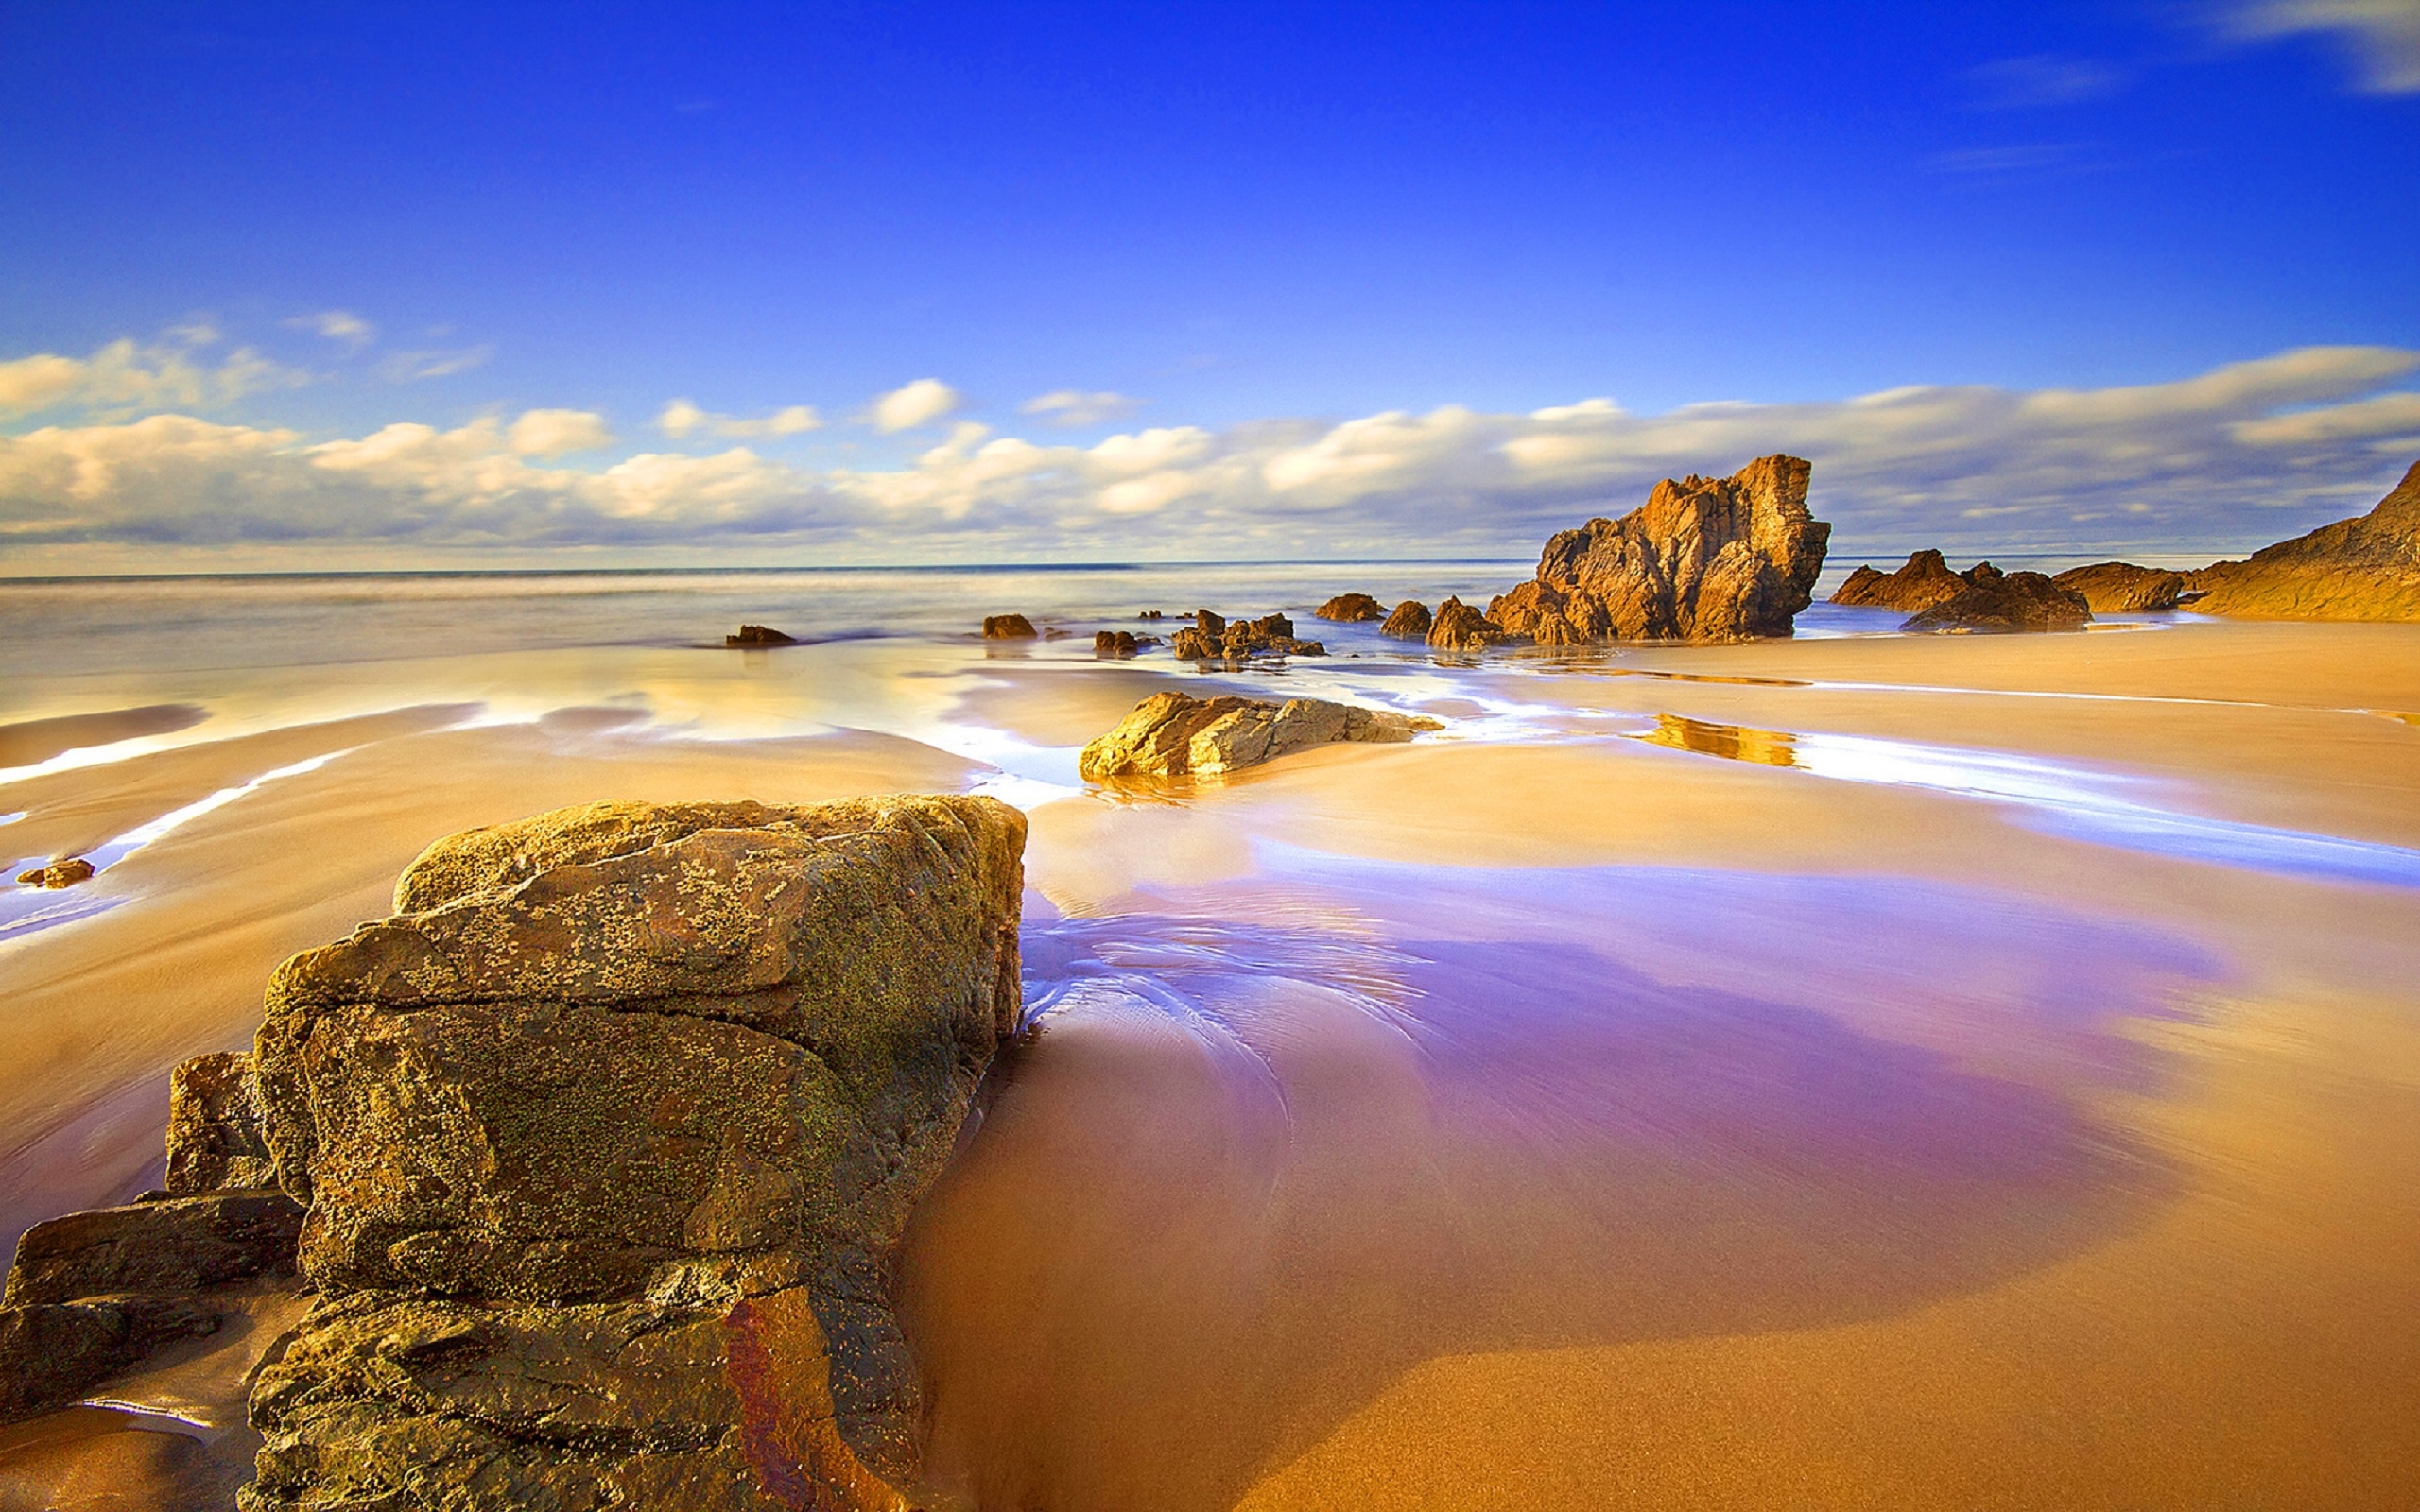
pixel 123 379
pixel 2383 35
pixel 413 366
pixel 554 432
pixel 680 419
pixel 1073 408
pixel 337 325
pixel 920 403
pixel 2221 460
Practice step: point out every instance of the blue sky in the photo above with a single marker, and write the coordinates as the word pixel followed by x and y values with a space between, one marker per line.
pixel 370 284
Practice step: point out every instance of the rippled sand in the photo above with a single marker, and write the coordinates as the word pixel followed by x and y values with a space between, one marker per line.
pixel 1894 1088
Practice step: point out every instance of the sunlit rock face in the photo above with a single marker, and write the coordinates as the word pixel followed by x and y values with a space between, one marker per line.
pixel 1994 602
pixel 2123 588
pixel 2361 569
pixel 608 1138
pixel 1173 734
pixel 1701 560
pixel 1924 581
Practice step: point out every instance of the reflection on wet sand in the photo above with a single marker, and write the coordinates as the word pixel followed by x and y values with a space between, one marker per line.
pixel 1280 1139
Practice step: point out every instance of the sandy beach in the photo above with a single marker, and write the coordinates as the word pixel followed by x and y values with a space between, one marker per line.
pixel 1870 1070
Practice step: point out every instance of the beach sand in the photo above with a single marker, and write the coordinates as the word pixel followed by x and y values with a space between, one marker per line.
pixel 1535 1115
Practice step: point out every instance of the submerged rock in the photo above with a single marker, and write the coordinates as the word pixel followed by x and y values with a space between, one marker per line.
pixel 1008 628
pixel 759 635
pixel 1351 609
pixel 2001 603
pixel 2123 588
pixel 1410 621
pixel 1172 734
pixel 1925 580
pixel 1459 627
pixel 2366 568
pixel 608 1136
pixel 1214 638
pixel 1701 560
pixel 58 873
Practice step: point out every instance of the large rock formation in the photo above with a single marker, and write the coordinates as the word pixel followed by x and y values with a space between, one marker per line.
pixel 1214 638
pixel 1925 580
pixel 1459 627
pixel 607 1137
pixel 1702 559
pixel 1172 734
pixel 2123 588
pixel 1410 622
pixel 1351 609
pixel 2366 568
pixel 2001 603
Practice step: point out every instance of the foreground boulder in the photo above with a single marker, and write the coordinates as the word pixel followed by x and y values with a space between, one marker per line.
pixel 1702 559
pixel 1925 580
pixel 2366 568
pixel 1172 734
pixel 1410 621
pixel 1214 638
pixel 1459 627
pixel 1008 628
pixel 2002 603
pixel 2123 588
pixel 1351 609
pixel 608 1136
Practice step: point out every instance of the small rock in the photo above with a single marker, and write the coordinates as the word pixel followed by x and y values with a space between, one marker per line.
pixel 1114 643
pixel 1461 628
pixel 2001 603
pixel 2123 588
pixel 1352 608
pixel 759 635
pixel 58 873
pixel 1008 628
pixel 1151 615
pixel 1410 621
pixel 1172 734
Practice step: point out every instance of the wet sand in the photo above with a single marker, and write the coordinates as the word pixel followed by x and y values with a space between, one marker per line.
pixel 1531 1116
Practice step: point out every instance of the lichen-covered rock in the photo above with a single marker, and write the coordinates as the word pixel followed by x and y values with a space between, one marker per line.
pixel 2366 568
pixel 2123 588
pixel 1459 627
pixel 699 1058
pixel 1410 621
pixel 215 1139
pixel 1007 628
pixel 1702 559
pixel 1925 580
pixel 1351 609
pixel 2002 603
pixel 1214 638
pixel 1172 734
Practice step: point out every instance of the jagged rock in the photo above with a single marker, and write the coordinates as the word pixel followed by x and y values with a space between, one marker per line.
pixel 1925 580
pixel 1461 628
pixel 1351 609
pixel 1410 621
pixel 1115 642
pixel 1172 734
pixel 2366 568
pixel 1702 559
pixel 1213 638
pixel 59 874
pixel 2123 588
pixel 214 1139
pixel 2005 602
pixel 1007 628
pixel 759 635
pixel 617 1081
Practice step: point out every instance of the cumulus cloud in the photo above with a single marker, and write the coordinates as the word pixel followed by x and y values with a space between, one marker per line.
pixel 124 378
pixel 680 419
pixel 2218 461
pixel 2382 35
pixel 337 325
pixel 920 403
pixel 1073 407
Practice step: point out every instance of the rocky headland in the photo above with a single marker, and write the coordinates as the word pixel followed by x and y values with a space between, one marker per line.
pixel 595 1157
pixel 1174 734
pixel 1701 560
pixel 2366 568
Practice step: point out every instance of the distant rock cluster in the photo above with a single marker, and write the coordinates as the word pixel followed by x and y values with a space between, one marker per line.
pixel 1982 599
pixel 1214 638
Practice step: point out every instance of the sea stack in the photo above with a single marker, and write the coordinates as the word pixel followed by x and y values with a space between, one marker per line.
pixel 1701 560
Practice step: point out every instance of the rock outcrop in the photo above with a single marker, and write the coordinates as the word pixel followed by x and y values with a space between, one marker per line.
pixel 1459 627
pixel 65 873
pixel 93 1294
pixel 1121 643
pixel 1008 628
pixel 2002 603
pixel 2366 568
pixel 1172 734
pixel 1925 580
pixel 759 636
pixel 1351 609
pixel 607 1137
pixel 1214 638
pixel 1702 559
pixel 1410 621
pixel 2123 588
